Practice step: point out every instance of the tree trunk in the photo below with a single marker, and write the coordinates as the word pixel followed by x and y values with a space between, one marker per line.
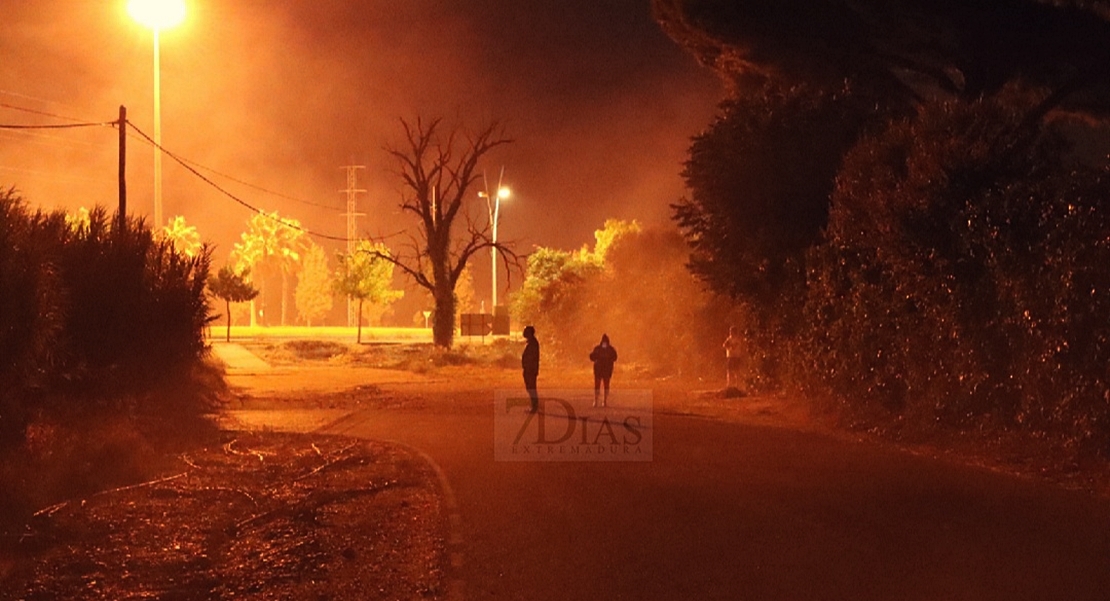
pixel 443 317
pixel 227 305
pixel 261 298
pixel 284 292
pixel 359 339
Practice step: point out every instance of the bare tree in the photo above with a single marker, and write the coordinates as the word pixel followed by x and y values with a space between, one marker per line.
pixel 437 169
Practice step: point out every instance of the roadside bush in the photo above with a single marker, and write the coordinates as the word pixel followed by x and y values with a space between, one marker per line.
pixel 91 316
pixel 963 276
pixel 138 307
pixel 101 354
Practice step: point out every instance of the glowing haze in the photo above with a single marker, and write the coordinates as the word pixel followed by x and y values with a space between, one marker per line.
pixel 600 103
pixel 157 14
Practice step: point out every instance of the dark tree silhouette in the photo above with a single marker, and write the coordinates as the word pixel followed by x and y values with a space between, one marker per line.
pixel 232 288
pixel 759 181
pixel 903 47
pixel 811 77
pixel 438 169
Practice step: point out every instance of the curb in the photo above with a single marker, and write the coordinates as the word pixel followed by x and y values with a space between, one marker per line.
pixel 456 586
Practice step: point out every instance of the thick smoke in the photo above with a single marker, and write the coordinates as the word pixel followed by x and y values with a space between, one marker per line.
pixel 661 320
pixel 601 105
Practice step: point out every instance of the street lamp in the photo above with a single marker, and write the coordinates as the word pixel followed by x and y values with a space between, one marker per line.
pixel 493 202
pixel 157 15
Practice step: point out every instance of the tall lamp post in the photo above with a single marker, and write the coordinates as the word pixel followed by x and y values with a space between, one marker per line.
pixel 493 202
pixel 157 15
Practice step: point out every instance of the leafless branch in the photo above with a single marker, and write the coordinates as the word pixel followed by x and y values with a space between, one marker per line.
pixel 54 508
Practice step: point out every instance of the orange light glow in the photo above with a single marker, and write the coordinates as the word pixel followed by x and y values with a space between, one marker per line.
pixel 157 14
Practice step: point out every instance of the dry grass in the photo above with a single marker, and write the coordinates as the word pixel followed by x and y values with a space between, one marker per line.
pixel 257 516
pixel 413 357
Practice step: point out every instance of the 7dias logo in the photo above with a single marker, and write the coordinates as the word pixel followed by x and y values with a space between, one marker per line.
pixel 568 427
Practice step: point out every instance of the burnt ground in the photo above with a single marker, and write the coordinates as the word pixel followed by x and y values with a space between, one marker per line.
pixel 252 516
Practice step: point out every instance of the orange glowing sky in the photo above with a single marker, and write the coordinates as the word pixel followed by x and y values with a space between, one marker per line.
pixel 601 105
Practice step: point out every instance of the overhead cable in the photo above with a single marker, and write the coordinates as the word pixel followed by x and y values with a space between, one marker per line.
pixel 233 197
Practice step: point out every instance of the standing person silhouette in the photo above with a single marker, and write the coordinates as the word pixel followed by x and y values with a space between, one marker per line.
pixel 603 356
pixel 530 364
pixel 733 345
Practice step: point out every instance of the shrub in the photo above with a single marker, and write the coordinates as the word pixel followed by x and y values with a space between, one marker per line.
pixel 90 315
pixel 963 275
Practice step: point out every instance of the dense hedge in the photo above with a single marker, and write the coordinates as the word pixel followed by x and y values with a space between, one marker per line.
pixel 964 276
pixel 88 313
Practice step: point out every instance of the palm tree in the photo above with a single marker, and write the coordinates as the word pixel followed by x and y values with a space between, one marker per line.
pixel 184 237
pixel 270 243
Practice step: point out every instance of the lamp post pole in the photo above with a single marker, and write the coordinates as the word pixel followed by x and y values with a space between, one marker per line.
pixel 493 202
pixel 493 251
pixel 157 15
pixel 157 131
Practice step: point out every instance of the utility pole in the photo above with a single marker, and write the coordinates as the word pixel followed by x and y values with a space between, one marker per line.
pixel 122 168
pixel 352 216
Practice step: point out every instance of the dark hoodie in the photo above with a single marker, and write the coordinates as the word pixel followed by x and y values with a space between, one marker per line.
pixel 604 356
pixel 530 358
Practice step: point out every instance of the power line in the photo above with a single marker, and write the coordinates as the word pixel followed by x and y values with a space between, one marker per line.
pixel 191 162
pixel 57 126
pixel 259 188
pixel 53 175
pixel 42 100
pixel 28 136
pixel 187 164
pixel 37 112
pixel 237 180
pixel 233 197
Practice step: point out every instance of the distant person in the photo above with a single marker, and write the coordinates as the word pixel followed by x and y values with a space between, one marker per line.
pixel 732 347
pixel 603 356
pixel 530 364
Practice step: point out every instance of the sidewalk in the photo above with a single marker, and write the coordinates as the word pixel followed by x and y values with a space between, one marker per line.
pixel 238 359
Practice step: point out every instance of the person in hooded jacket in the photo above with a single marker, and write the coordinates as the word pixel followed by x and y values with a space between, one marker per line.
pixel 603 356
pixel 530 365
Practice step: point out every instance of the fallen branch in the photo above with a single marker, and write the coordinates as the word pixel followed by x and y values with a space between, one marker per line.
pixel 321 499
pixel 232 490
pixel 231 451
pixel 54 508
pixel 327 463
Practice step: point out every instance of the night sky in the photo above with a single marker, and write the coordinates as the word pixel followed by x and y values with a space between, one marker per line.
pixel 600 103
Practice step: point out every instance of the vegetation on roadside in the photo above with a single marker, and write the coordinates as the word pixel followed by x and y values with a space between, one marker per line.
pixel 413 357
pixel 248 516
pixel 918 239
pixel 102 340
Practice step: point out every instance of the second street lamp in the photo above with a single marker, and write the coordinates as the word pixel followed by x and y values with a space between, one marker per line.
pixel 157 15
pixel 493 202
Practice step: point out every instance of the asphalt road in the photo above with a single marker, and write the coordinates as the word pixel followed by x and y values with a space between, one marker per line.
pixel 729 511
